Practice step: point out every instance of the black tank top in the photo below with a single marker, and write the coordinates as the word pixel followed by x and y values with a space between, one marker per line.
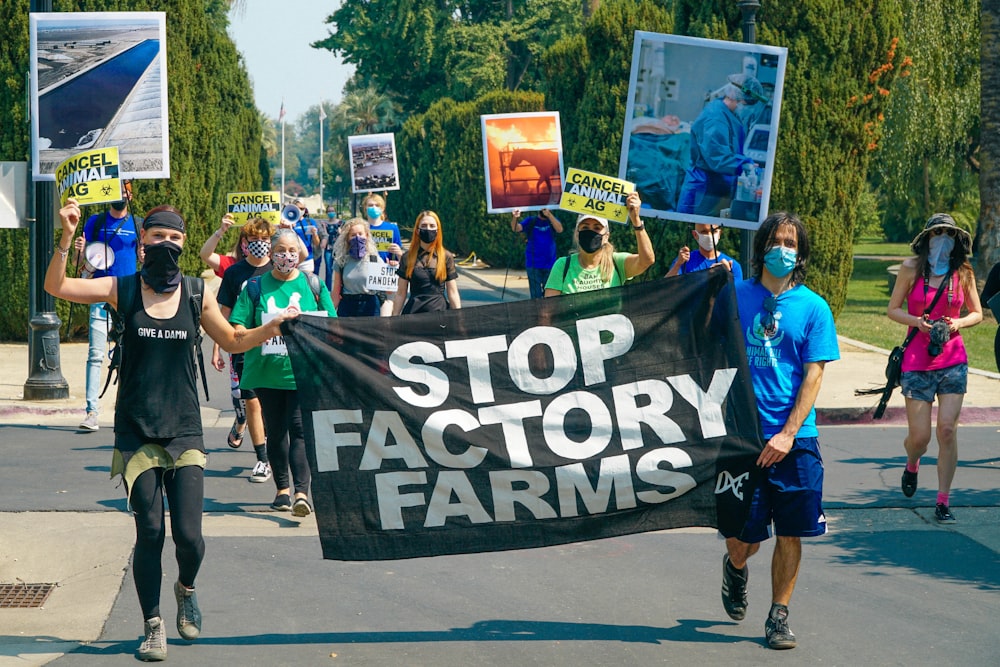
pixel 157 387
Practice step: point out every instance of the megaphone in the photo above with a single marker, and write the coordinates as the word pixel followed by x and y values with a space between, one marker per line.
pixel 291 214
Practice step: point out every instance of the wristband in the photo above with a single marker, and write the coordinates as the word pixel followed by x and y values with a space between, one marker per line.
pixel 638 228
pixel 63 252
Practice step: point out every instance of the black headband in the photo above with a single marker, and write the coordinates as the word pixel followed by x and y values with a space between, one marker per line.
pixel 164 219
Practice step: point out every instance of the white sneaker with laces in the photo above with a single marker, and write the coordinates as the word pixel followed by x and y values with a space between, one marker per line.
pixel 261 472
pixel 154 645
pixel 90 423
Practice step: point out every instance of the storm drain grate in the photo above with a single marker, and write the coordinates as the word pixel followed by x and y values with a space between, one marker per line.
pixel 24 596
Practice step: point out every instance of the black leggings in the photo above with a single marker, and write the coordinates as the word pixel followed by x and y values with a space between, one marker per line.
pixel 286 440
pixel 185 489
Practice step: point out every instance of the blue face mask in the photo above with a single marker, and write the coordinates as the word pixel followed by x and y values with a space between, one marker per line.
pixel 780 261
pixel 374 212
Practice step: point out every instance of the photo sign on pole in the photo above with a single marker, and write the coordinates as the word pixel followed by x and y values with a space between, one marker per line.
pixel 701 128
pixel 245 205
pixel 600 195
pixel 373 162
pixel 522 156
pixel 90 177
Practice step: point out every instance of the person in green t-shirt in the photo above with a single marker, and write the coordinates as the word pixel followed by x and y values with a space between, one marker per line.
pixel 268 371
pixel 597 265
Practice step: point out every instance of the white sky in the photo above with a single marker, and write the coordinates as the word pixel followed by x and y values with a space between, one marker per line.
pixel 274 38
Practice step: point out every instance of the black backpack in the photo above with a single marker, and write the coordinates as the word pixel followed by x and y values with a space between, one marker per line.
pixel 128 289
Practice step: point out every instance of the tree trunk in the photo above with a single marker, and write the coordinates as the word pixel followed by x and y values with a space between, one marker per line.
pixel 989 154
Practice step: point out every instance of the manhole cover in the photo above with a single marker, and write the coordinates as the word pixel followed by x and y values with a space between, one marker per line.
pixel 24 596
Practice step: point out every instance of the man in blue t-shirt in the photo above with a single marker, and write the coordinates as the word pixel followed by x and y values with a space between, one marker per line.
pixel 540 251
pixel 789 335
pixel 110 244
pixel 708 255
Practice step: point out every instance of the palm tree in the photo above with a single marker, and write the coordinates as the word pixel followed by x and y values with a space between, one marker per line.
pixel 268 135
pixel 366 110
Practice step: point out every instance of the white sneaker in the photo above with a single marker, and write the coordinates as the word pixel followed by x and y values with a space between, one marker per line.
pixel 154 645
pixel 90 423
pixel 261 472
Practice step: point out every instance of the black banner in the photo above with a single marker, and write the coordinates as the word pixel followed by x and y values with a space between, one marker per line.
pixel 527 424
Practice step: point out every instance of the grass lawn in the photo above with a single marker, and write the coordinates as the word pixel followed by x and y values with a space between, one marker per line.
pixel 863 317
pixel 878 248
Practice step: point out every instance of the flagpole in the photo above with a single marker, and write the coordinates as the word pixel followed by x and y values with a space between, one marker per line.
pixel 282 156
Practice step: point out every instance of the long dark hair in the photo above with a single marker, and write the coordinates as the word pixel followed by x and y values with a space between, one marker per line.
pixel 764 239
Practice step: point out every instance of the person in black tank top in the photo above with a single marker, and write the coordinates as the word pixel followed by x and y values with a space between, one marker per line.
pixel 158 436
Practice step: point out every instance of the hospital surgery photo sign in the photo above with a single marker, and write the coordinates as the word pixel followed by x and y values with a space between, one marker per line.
pixel 701 128
pixel 527 424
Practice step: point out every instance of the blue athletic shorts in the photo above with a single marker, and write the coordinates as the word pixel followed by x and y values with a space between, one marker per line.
pixel 790 496
pixel 924 385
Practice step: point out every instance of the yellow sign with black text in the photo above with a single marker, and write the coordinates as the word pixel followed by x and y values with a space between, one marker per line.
pixel 90 177
pixel 604 196
pixel 245 205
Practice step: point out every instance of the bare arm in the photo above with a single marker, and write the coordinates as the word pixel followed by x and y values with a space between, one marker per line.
pixel 207 252
pixel 553 220
pixel 515 226
pixel 235 340
pixel 682 257
pixel 781 443
pixel 897 311
pixel 454 300
pixel 975 311
pixel 399 300
pixel 639 262
pixel 338 287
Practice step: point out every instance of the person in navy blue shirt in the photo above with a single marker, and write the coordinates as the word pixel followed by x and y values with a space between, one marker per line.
pixel 540 252
pixel 707 237
pixel 111 241
pixel 789 336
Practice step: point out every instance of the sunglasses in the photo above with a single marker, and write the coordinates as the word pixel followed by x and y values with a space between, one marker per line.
pixel 950 231
pixel 768 321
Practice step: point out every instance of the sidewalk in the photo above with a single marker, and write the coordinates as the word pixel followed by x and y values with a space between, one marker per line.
pixel 860 366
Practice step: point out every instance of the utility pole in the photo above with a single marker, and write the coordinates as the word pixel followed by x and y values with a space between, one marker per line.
pixel 45 380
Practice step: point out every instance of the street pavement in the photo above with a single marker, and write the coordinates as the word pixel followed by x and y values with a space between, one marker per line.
pixel 886 585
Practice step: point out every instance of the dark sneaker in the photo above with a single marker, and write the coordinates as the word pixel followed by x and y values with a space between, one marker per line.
pixel 282 503
pixel 909 483
pixel 90 423
pixel 154 647
pixel 734 589
pixel 188 614
pixel 943 514
pixel 776 629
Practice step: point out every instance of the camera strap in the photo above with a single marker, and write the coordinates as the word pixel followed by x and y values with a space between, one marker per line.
pixel 927 311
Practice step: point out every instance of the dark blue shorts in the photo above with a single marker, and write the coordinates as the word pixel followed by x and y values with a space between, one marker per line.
pixel 790 496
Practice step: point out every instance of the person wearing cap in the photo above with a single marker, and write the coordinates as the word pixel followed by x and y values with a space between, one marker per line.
pixel 708 255
pixel 789 337
pixel 596 265
pixel 717 138
pixel 114 236
pixel 540 249
pixel 935 362
pixel 159 445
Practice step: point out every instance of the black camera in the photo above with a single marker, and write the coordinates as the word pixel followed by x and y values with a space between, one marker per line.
pixel 940 334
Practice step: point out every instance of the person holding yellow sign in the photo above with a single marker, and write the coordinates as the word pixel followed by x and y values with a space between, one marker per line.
pixel 597 265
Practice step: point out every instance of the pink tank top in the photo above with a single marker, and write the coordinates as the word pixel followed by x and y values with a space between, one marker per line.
pixel 953 352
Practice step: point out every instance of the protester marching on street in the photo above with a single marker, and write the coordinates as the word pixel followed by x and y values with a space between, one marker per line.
pixel 597 265
pixel 540 247
pixel 329 232
pixel 159 446
pixel 789 336
pixel 387 238
pixel 255 246
pixel 110 243
pixel 427 274
pixel 935 361
pixel 353 251
pixel 268 371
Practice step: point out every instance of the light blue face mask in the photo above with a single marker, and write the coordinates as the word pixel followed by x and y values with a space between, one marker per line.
pixel 374 212
pixel 780 261
pixel 939 253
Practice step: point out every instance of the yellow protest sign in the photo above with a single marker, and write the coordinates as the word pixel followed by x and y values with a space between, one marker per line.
pixel 382 238
pixel 90 177
pixel 604 196
pixel 245 205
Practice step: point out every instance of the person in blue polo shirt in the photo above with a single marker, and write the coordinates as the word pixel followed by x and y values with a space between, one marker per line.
pixel 540 252
pixel 708 255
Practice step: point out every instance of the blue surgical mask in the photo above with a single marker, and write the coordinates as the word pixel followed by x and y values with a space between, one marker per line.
pixel 780 261
pixel 374 212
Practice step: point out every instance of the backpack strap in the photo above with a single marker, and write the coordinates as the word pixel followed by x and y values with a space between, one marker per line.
pixel 253 291
pixel 195 287
pixel 313 281
pixel 128 287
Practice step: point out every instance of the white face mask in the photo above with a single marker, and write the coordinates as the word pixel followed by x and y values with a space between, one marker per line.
pixel 708 242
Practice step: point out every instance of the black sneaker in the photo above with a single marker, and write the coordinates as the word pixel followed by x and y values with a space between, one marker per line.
pixel 909 483
pixel 734 589
pixel 776 629
pixel 943 514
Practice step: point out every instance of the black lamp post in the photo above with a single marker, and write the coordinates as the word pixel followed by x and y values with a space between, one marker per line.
pixel 749 9
pixel 45 380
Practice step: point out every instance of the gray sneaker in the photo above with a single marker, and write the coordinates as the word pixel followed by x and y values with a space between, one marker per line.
pixel 776 630
pixel 90 423
pixel 154 647
pixel 188 614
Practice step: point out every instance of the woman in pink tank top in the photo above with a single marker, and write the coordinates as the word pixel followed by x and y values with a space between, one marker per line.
pixel 935 363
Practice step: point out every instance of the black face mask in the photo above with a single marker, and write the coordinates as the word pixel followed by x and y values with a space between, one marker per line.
pixel 428 235
pixel 160 269
pixel 119 205
pixel 590 241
